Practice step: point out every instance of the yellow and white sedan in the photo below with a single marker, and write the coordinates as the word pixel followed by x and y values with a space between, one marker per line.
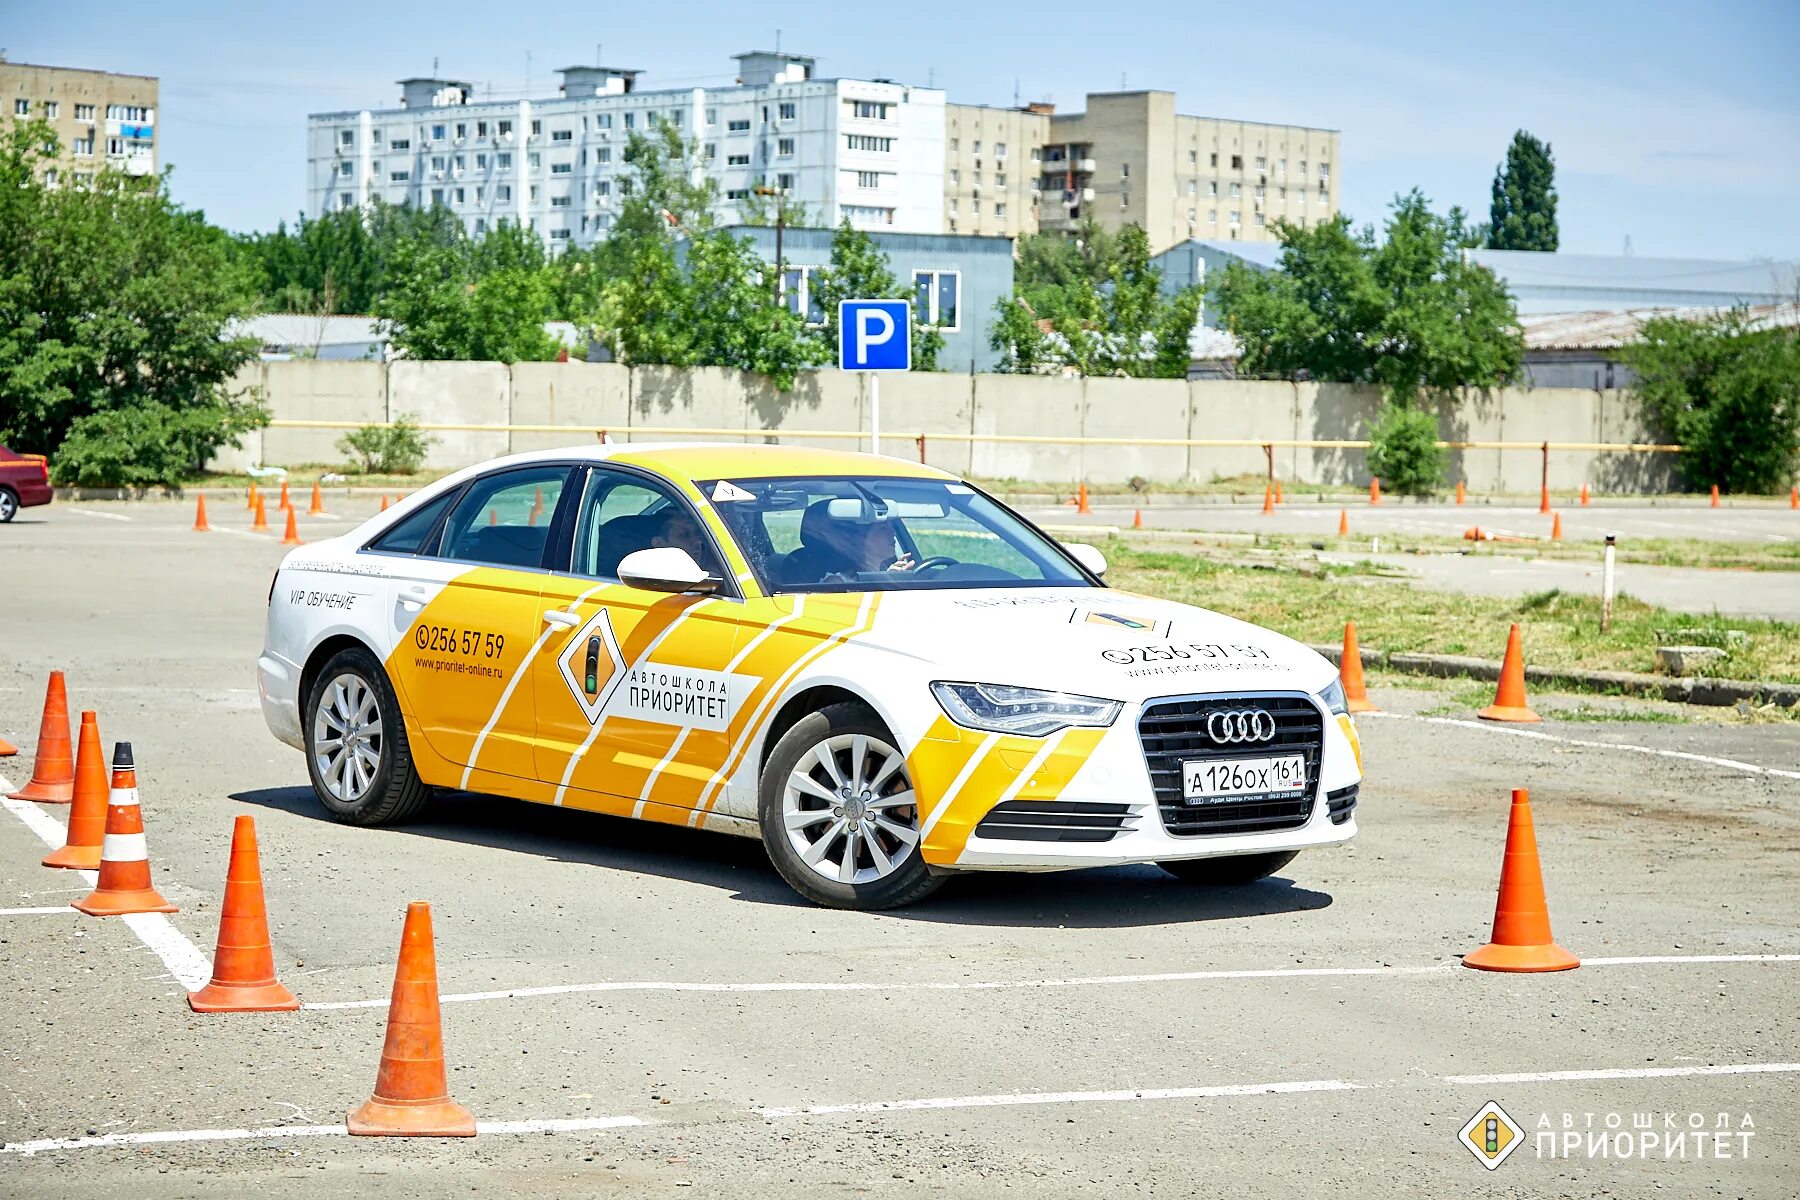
pixel 877 668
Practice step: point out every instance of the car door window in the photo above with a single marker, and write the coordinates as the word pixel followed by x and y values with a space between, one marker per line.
pixel 408 535
pixel 621 514
pixel 504 519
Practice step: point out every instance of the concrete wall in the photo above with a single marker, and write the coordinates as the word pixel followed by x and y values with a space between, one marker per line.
pixel 947 408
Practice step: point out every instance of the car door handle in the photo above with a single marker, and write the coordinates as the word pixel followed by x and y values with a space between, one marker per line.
pixel 415 597
pixel 561 619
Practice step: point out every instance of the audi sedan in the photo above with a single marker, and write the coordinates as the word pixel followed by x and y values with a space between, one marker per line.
pixel 875 667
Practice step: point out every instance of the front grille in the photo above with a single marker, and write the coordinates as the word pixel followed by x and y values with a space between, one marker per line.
pixel 1055 821
pixel 1341 802
pixel 1174 731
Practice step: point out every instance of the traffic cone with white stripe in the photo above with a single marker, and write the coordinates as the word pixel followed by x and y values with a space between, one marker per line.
pixel 87 817
pixel 1521 937
pixel 53 770
pixel 124 855
pixel 243 978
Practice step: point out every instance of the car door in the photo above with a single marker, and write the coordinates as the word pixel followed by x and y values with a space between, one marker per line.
pixel 634 695
pixel 465 616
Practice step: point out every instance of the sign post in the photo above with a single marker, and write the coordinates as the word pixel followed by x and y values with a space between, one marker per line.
pixel 874 336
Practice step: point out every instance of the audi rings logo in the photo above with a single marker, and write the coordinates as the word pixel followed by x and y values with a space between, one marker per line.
pixel 1240 725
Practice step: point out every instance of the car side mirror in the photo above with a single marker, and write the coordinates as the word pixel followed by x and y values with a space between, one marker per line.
pixel 1087 556
pixel 665 569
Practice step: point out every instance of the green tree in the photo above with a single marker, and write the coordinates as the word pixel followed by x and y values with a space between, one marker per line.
pixel 114 304
pixel 1523 213
pixel 1025 348
pixel 340 261
pixel 483 300
pixel 1727 391
pixel 1050 263
pixel 860 271
pixel 761 209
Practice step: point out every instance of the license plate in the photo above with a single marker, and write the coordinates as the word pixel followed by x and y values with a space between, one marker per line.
pixel 1214 781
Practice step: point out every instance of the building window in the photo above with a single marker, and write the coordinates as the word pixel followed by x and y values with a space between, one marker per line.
pixel 1124 199
pixel 481 162
pixel 1193 188
pixel 1234 217
pixel 1259 219
pixel 399 176
pixel 399 145
pixel 533 160
pixel 1000 210
pixel 1000 150
pixel 1324 171
pixel 532 196
pixel 561 168
pixel 1212 160
pixel 1212 188
pixel 797 295
pixel 1324 196
pixel 738 125
pixel 863 214
pixel 345 200
pixel 737 193
pixel 786 110
pixel 559 235
pixel 481 195
pixel 345 169
pixel 603 188
pixel 1259 190
pixel 953 206
pixel 1124 170
pixel 503 193
pixel 1212 216
pixel 999 179
pixel 1281 166
pixel 954 145
pixel 1237 162
pixel 21 108
pixel 537 128
pixel 1303 166
pixel 603 154
pixel 437 134
pixel 1037 154
pixel 868 179
pixel 859 141
pixel 603 121
pixel 955 175
pixel 562 135
pixel 1193 157
pixel 870 110
pixel 559 202
pixel 712 151
pixel 712 116
pixel 461 196
pixel 458 164
pixel 84 112
pixel 936 298
pixel 83 146
pixel 784 147
pixel 737 160
pixel 51 109
pixel 503 128
pixel 784 181
pixel 1262 164
pixel 481 129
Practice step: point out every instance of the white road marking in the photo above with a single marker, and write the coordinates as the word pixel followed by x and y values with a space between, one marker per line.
pixel 1009 1100
pixel 1627 1073
pixel 92 512
pixel 184 959
pixel 31 912
pixel 165 1136
pixel 506 695
pixel 1448 966
pixel 1729 763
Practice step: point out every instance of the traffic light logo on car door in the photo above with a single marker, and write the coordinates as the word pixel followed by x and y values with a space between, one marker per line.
pixel 591 665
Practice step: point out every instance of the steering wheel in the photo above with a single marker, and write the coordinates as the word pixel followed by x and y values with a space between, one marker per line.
pixel 937 560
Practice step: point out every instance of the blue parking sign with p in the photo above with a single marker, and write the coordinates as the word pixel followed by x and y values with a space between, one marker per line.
pixel 875 335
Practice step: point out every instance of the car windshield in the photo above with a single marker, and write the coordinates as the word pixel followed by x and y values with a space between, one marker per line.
pixel 873 533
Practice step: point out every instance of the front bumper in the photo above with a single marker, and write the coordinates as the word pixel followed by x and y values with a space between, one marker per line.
pixel 1096 786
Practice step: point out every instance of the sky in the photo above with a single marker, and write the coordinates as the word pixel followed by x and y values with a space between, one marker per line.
pixel 1676 126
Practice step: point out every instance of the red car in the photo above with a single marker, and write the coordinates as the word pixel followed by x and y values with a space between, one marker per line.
pixel 24 481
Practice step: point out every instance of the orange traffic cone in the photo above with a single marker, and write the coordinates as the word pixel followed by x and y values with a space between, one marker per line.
pixel 493 517
pixel 1081 502
pixel 412 1092
pixel 243 978
pixel 1521 937
pixel 1350 672
pixel 53 770
pixel 87 819
pixel 1584 495
pixel 1268 499
pixel 1509 698
pixel 250 498
pixel 317 508
pixel 285 502
pixel 124 859
pixel 1556 527
pixel 1794 496
pixel 384 502
pixel 1715 495
pixel 7 749
pixel 1343 522
pixel 1459 491
pixel 261 523
pixel 200 525
pixel 1375 490
pixel 1544 500
pixel 292 536
pixel 1137 518
pixel 1278 491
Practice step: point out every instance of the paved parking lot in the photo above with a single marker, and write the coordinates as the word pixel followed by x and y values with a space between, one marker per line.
pixel 642 1010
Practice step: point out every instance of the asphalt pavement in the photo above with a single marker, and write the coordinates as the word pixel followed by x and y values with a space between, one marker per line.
pixel 644 1010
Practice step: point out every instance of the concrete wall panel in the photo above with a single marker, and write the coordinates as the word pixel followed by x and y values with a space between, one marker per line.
pixel 1240 408
pixel 583 396
pixel 932 403
pixel 306 390
pixel 1034 406
pixel 1135 408
pixel 698 398
pixel 453 393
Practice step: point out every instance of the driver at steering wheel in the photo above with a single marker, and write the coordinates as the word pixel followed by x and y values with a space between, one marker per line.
pixel 844 545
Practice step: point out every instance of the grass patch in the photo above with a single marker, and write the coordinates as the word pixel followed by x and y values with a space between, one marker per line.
pixel 1561 630
pixel 1656 552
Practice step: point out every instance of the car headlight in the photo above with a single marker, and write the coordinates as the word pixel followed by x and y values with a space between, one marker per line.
pixel 1333 698
pixel 1030 712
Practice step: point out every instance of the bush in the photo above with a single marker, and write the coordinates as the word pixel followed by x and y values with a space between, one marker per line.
pixel 150 443
pixel 1727 392
pixel 396 449
pixel 1403 450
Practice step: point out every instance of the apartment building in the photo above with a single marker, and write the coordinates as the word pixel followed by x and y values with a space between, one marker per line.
pixel 870 151
pixel 1130 158
pixel 100 118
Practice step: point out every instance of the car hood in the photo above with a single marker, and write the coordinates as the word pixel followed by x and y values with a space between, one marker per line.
pixel 1094 641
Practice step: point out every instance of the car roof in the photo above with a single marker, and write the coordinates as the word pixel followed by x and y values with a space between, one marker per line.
pixel 725 460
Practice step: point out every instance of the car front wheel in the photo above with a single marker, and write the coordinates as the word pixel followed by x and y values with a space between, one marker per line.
pixel 1225 872
pixel 839 818
pixel 356 748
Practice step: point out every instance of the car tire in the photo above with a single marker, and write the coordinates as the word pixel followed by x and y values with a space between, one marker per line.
pixel 9 504
pixel 1228 872
pixel 372 781
pixel 843 744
